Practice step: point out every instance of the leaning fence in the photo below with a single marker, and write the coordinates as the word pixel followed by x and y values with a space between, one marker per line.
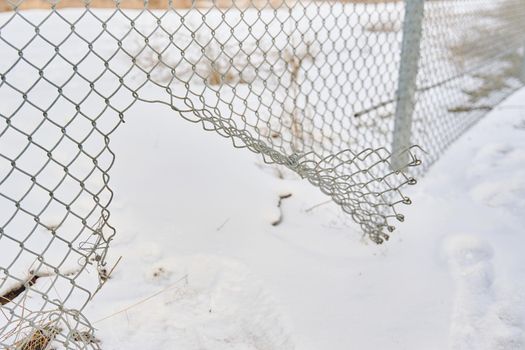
pixel 338 92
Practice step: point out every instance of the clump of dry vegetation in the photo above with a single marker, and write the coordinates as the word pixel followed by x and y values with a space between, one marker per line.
pixel 294 62
pixel 196 58
pixel 204 60
pixel 39 339
pixel 486 44
pixel 41 330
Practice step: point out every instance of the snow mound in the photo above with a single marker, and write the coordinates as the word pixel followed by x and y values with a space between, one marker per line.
pixel 203 302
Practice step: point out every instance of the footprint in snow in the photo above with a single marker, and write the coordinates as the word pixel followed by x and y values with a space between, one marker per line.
pixel 482 317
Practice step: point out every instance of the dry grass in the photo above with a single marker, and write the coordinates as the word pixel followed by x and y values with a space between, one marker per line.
pixel 207 61
pixel 384 27
pixel 39 339
pixel 477 47
pixel 295 65
pixel 8 5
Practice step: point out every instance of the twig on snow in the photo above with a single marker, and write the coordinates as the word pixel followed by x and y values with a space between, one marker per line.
pixel 317 205
pixel 223 224
pixel 19 289
pixel 280 218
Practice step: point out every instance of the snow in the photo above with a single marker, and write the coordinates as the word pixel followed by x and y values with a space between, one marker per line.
pixel 451 277
pixel 203 267
pixel 207 302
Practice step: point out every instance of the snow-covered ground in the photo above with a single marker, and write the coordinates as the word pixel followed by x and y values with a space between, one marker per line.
pixel 195 226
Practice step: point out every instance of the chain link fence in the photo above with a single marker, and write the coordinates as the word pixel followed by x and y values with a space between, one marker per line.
pixel 471 59
pixel 335 91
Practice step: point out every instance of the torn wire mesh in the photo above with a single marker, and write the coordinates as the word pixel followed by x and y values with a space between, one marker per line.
pixel 307 85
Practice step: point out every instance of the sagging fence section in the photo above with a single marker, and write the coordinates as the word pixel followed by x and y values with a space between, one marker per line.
pixel 338 92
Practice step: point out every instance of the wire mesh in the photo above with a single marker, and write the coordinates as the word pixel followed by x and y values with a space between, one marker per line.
pixel 470 61
pixel 307 85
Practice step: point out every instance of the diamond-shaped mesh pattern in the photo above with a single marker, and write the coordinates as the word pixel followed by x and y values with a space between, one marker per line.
pixel 308 85
pixel 470 61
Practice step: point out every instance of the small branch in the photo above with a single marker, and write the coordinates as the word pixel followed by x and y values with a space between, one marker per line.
pixel 318 205
pixel 175 284
pixel 465 109
pixel 280 218
pixel 16 291
pixel 104 276
pixel 223 224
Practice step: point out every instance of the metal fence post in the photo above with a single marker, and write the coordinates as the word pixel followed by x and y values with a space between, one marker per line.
pixel 407 82
pixel 523 65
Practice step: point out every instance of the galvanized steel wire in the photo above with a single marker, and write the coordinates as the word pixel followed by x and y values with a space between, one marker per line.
pixel 312 86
